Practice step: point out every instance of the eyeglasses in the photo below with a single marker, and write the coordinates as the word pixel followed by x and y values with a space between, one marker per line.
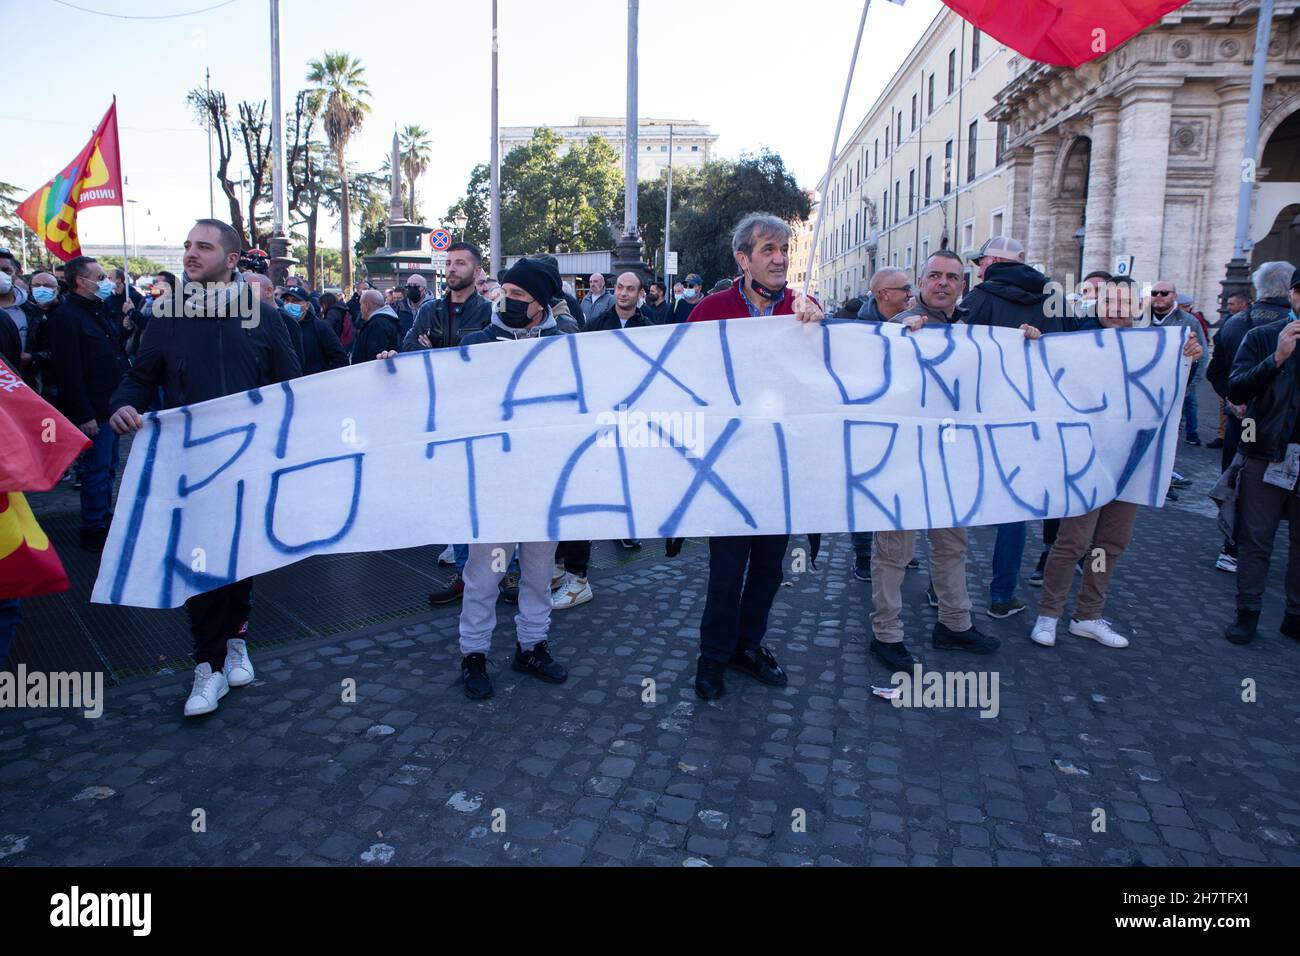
pixel 1160 292
pixel 897 288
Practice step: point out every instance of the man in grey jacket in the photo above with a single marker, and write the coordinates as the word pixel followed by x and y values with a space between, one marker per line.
pixel 1165 311
pixel 597 302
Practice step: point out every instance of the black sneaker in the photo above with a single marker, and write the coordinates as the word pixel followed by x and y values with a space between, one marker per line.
pixel 1036 575
pixel 759 664
pixel 913 565
pixel 896 657
pixel 1171 495
pixel 1291 626
pixel 539 663
pixel 967 640
pixel 931 597
pixel 473 671
pixel 454 591
pixel 1192 440
pixel 1242 631
pixel 630 543
pixel 92 539
pixel 509 587
pixel 1003 609
pixel 673 546
pixel 708 679
pixel 862 569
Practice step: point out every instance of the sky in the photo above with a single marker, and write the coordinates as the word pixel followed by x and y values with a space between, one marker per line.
pixel 768 73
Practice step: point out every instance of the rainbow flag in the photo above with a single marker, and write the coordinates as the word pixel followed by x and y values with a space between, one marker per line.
pixel 94 178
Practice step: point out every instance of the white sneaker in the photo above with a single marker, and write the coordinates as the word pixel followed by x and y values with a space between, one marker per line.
pixel 209 688
pixel 1100 631
pixel 1227 563
pixel 448 555
pixel 558 576
pixel 572 592
pixel 1044 631
pixel 239 668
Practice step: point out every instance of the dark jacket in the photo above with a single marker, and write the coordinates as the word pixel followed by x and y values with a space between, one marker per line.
pixel 11 343
pixel 432 321
pixel 295 333
pixel 1228 339
pixel 197 357
pixel 575 309
pixel 382 332
pixel 870 311
pixel 1010 296
pixel 660 314
pixel 931 315
pixel 682 309
pixel 321 350
pixel 404 314
pixel 592 306
pixel 609 320
pixel 1272 394
pixel 40 374
pixel 493 332
pixel 89 358
pixel 338 316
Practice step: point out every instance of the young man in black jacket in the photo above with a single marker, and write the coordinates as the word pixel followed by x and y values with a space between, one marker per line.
pixel 442 322
pixel 89 361
pixel 201 345
pixel 1266 378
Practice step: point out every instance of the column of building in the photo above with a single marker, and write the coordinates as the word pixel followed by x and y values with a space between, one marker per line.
pixel 1100 211
pixel 1143 162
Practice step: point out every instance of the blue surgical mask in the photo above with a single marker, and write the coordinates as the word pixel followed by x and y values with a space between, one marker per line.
pixel 688 293
pixel 43 295
pixel 105 288
pixel 293 309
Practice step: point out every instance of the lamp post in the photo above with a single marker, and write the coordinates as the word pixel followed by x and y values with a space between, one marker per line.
pixel 460 222
pixel 627 254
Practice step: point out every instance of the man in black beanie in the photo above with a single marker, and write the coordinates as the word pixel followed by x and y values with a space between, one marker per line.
pixel 522 312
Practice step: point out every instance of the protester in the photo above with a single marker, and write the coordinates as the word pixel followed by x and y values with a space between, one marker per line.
pixel 657 304
pixel 1236 304
pixel 940 285
pixel 45 298
pixel 625 313
pixel 687 298
pixel 13 317
pixel 597 301
pixel 318 347
pixel 407 308
pixel 1165 311
pixel 1102 535
pixel 523 313
pixel 296 303
pixel 889 289
pixel 1266 379
pixel 745 571
pixel 191 361
pixel 123 306
pixel 443 322
pixel 339 316
pixel 1010 296
pixel 89 361
pixel 379 330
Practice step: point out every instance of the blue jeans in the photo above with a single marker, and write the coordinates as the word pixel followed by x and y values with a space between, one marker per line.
pixel 1008 551
pixel 9 618
pixel 460 554
pixel 1190 413
pixel 97 479
pixel 862 546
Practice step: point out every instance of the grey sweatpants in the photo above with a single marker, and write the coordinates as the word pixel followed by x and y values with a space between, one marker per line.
pixel 478 612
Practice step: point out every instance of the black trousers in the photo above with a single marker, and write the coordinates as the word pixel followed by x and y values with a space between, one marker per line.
pixel 216 617
pixel 575 556
pixel 745 573
pixel 1260 509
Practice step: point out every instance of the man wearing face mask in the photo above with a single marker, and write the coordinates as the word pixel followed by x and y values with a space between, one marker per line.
pixel 417 295
pixel 13 318
pixel 522 312
pixel 218 341
pixel 266 294
pixel 687 299
pixel 89 362
pixel 745 570
pixel 318 347
pixel 39 307
pixel 656 303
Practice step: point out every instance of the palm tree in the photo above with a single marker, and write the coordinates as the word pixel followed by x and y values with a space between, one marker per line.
pixel 339 97
pixel 417 151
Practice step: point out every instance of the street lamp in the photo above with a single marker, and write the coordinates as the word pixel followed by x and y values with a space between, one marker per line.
pixel 459 222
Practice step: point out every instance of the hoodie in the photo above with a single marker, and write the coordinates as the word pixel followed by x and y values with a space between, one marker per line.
pixel 1010 296
pixel 498 331
pixel 382 332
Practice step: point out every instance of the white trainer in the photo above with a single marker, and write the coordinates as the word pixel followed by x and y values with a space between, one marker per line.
pixel 448 556
pixel 1044 631
pixel 572 592
pixel 209 687
pixel 239 667
pixel 1226 562
pixel 558 576
pixel 1100 631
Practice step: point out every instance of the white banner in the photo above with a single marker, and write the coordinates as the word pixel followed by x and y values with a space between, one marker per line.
pixel 710 428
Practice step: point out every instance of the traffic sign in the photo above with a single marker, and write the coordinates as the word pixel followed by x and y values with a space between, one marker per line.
pixel 671 267
pixel 439 240
pixel 1124 266
pixel 439 260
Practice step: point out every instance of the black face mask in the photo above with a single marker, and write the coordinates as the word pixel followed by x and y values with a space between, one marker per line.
pixel 514 313
pixel 413 293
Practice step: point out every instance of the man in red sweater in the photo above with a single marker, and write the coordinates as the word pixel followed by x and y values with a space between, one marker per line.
pixel 745 570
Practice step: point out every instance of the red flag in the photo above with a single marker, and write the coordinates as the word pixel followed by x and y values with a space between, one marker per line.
pixel 39 444
pixel 28 563
pixel 1062 32
pixel 94 178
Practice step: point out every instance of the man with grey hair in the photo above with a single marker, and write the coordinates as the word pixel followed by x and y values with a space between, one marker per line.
pixel 890 288
pixel 379 333
pixel 266 292
pixel 1165 311
pixel 596 302
pixel 745 570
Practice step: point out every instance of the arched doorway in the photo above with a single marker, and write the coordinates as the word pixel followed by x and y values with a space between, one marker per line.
pixel 1275 229
pixel 1068 208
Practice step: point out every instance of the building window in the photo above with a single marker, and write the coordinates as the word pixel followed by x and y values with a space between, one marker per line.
pixel 1003 133
pixel 931 95
pixel 952 71
pixel 898 196
pixel 970 150
pixel 695 149
pixel 913 112
pixel 995 224
pixel 898 138
pixel 925 248
pixel 857 226
pixel 928 163
pixel 895 257
pixel 908 261
pixel 947 167
pixel 884 206
pixel 975 50
pixel 875 162
pixel 911 191
pixel 968 235
pixel 888 132
pixel 663 149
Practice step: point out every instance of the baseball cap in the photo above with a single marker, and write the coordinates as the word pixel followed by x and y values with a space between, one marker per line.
pixel 1003 247
pixel 294 292
pixel 693 279
pixel 1295 279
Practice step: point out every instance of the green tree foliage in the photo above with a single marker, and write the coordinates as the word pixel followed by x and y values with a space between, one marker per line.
pixel 340 97
pixel 476 204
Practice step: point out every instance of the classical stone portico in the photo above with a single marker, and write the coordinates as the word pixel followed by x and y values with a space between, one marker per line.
pixel 1142 149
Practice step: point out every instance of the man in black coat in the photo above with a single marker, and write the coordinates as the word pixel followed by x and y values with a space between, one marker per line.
pixel 89 361
pixel 210 338
pixel 380 329
pixel 441 323
pixel 625 313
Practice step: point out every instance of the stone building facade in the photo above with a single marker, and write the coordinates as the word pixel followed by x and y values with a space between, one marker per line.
pixel 692 143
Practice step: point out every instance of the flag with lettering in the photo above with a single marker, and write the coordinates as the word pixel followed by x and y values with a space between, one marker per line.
pixel 94 178
pixel 1063 32
pixel 39 444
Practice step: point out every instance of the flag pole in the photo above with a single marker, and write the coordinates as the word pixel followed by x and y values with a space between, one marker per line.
pixel 126 262
pixel 835 143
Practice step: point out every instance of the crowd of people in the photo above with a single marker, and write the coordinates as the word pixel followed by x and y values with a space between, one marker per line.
pixel 103 354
